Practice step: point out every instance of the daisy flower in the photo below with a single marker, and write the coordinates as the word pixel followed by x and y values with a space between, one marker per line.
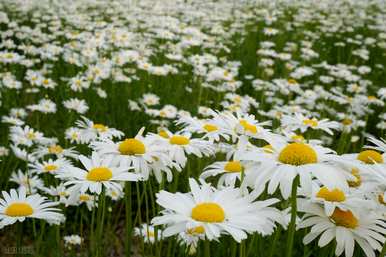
pixel 284 161
pixel 139 152
pixel 54 149
pixel 58 191
pixel 191 237
pixel 366 229
pixel 91 131
pixel 148 233
pixel 30 182
pixel 301 122
pixel 16 206
pixel 77 105
pixel 77 198
pixel 50 166
pixel 364 159
pixel 223 211
pixel 230 171
pixel 334 198
pixel 99 172
pixel 243 124
pixel 72 240
pixel 25 136
pixel 206 127
pixel 180 145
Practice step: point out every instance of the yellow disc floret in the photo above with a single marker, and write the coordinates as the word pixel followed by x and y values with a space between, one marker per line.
pixel 19 210
pixel 312 123
pixel 50 167
pixel 370 157
pixel 344 218
pixel 233 166
pixel 84 198
pixel 357 181
pixel 179 140
pixel 208 212
pixel 347 121
pixel 99 174
pixel 100 127
pixel 131 146
pixel 163 134
pixel 381 199
pixel 335 195
pixel 195 230
pixel 248 127
pixel 210 127
pixel 298 154
pixel 55 149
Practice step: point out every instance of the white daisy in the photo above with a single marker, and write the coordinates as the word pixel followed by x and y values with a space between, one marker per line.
pixel 301 122
pixel 283 162
pixel 367 229
pixel 230 171
pixel 179 146
pixel 223 211
pixel 16 206
pixel 139 152
pixel 32 183
pixel 50 166
pixel 148 233
pixel 99 172
pixel 91 131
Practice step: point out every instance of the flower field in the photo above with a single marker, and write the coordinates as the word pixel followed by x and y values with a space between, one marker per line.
pixel 193 128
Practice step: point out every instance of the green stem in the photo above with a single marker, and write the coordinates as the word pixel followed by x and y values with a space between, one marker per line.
pixel 92 250
pixel 242 249
pixel 292 225
pixel 128 219
pixel 207 248
pixel 276 236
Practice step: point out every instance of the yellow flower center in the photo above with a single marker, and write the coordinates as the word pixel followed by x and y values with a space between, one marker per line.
pixel 292 82
pixel 357 181
pixel 370 157
pixel 162 114
pixel 298 154
pixel 99 174
pixel 163 134
pixel 55 149
pixel 31 135
pixel 312 123
pixel 210 127
pixel 233 166
pixel 208 212
pixel 335 195
pixel 100 127
pixel 179 140
pixel 347 121
pixel 195 230
pixel 62 194
pixel 50 167
pixel 381 200
pixel 131 146
pixel 84 198
pixel 248 127
pixel 19 210
pixel 371 97
pixel 344 218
